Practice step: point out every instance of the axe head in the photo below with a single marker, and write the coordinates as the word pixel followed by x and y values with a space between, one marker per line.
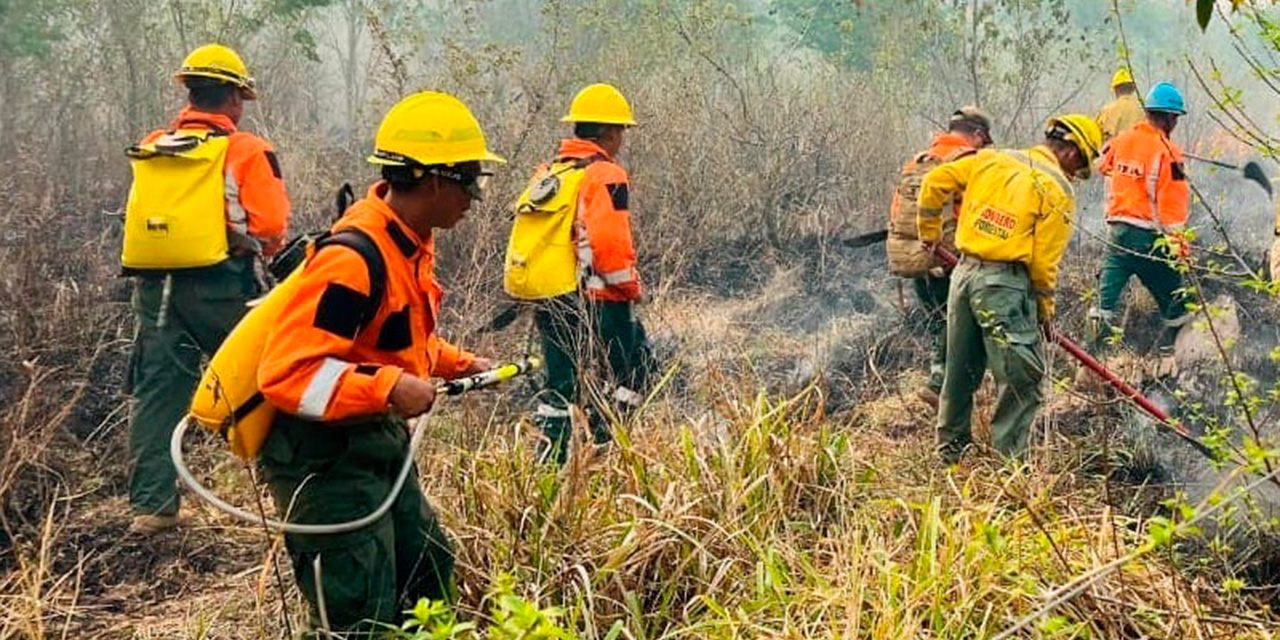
pixel 1253 171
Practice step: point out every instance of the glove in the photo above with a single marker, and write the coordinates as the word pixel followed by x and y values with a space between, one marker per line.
pixel 1179 247
pixel 1045 307
pixel 929 224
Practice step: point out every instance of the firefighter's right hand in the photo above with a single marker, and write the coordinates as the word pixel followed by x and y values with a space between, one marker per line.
pixel 411 396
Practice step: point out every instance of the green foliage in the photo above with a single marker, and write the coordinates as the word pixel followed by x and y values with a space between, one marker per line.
pixel 28 27
pixel 512 618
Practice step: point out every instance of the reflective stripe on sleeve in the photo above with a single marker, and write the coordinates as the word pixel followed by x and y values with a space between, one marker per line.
pixel 237 217
pixel 1153 180
pixel 321 389
pixel 618 277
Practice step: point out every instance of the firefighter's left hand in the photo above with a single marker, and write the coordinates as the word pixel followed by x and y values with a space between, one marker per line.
pixel 480 365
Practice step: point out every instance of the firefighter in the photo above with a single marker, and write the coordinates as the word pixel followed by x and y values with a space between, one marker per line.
pixel 968 130
pixel 352 358
pixel 584 278
pixel 1125 111
pixel 1147 203
pixel 1015 220
pixel 206 204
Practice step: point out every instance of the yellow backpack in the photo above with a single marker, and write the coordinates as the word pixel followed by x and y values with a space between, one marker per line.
pixel 175 217
pixel 542 258
pixel 227 400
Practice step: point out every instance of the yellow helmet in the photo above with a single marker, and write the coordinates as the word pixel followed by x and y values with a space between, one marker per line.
pixel 1077 129
pixel 1122 76
pixel 430 128
pixel 600 104
pixel 220 63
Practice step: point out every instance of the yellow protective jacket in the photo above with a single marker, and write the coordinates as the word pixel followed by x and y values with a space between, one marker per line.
pixel 1017 206
pixel 1119 115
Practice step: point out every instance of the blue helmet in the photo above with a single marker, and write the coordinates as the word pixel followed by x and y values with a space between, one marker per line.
pixel 1166 98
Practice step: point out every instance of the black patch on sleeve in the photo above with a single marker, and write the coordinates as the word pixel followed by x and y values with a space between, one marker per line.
pixel 367 369
pixel 275 164
pixel 395 334
pixel 619 194
pixel 341 310
pixel 1178 171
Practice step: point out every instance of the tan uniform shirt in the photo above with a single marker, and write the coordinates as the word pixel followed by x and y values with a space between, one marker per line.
pixel 1119 115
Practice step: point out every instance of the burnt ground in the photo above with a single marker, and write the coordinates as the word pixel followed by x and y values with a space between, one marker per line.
pixel 855 333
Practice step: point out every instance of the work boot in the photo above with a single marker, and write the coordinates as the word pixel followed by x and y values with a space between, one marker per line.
pixel 950 453
pixel 147 524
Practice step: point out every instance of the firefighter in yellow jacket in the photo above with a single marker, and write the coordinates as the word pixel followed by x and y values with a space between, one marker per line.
pixel 1125 111
pixel 1013 228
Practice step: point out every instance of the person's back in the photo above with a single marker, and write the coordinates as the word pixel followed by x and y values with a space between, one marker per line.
pixel 1120 115
pixel 207 203
pixel 1125 110
pixel 1145 179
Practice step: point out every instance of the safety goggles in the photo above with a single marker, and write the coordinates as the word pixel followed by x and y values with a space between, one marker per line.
pixel 473 183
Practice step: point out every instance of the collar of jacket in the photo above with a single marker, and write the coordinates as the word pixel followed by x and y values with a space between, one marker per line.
pixel 192 118
pixel 1046 155
pixel 947 144
pixel 1146 128
pixel 579 148
pixel 404 237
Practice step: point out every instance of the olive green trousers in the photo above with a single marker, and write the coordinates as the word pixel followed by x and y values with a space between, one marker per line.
pixel 323 473
pixel 173 332
pixel 991 323
pixel 932 293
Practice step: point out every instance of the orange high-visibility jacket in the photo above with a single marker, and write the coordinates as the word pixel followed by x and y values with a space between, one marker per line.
pixel 320 363
pixel 605 217
pixel 256 202
pixel 1145 178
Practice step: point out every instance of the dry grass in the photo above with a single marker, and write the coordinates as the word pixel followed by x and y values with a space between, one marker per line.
pixel 722 512
pixel 781 485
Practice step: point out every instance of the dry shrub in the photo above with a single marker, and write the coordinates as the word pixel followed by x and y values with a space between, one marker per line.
pixel 747 501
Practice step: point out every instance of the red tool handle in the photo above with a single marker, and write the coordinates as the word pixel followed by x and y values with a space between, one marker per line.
pixel 1111 378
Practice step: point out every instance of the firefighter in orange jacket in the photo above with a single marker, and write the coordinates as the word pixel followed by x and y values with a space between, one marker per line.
pixel 185 312
pixel 598 323
pixel 968 130
pixel 1147 203
pixel 346 366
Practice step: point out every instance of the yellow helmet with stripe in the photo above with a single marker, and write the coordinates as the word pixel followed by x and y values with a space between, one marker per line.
pixel 219 63
pixel 430 128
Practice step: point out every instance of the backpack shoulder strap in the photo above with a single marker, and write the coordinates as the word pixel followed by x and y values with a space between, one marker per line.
pixel 361 243
pixel 579 163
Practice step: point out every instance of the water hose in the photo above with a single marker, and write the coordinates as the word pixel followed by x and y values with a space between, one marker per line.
pixel 449 388
pixel 1116 382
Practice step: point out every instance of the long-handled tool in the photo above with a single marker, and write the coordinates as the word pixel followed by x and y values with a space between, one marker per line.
pixel 1250 170
pixel 450 388
pixel 867 239
pixel 1124 388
